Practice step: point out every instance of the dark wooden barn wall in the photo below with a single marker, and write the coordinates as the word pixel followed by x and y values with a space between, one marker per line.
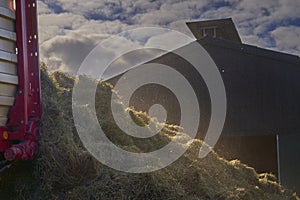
pixel 259 152
pixel 263 95
pixel 262 87
pixel 263 90
pixel 289 152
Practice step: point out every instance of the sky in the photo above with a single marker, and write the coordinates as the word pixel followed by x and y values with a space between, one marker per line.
pixel 70 29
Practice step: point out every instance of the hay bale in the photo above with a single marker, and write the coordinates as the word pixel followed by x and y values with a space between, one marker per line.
pixel 63 168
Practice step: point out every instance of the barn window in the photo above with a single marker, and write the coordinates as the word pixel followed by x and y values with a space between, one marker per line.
pixel 209 31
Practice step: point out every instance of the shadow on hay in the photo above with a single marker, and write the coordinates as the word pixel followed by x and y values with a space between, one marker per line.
pixel 63 168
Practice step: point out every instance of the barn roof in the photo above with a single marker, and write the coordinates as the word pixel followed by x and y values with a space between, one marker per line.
pixel 249 49
pixel 220 28
pixel 209 42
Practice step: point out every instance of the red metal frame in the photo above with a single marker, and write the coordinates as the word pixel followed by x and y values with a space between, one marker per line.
pixel 25 114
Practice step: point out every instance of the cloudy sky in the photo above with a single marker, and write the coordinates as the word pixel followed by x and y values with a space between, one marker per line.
pixel 69 29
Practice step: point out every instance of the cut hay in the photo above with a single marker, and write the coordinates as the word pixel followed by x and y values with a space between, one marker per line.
pixel 63 168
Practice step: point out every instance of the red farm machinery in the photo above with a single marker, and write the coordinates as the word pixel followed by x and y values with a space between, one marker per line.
pixel 20 100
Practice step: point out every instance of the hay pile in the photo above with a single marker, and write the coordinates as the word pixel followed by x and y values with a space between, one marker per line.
pixel 65 170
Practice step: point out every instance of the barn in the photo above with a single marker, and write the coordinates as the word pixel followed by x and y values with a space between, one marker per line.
pixel 262 126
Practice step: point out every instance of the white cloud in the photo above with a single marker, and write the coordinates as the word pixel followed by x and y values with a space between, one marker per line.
pixel 287 39
pixel 263 23
pixel 254 40
pixel 51 25
pixel 43 8
pixel 66 52
pixel 171 11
